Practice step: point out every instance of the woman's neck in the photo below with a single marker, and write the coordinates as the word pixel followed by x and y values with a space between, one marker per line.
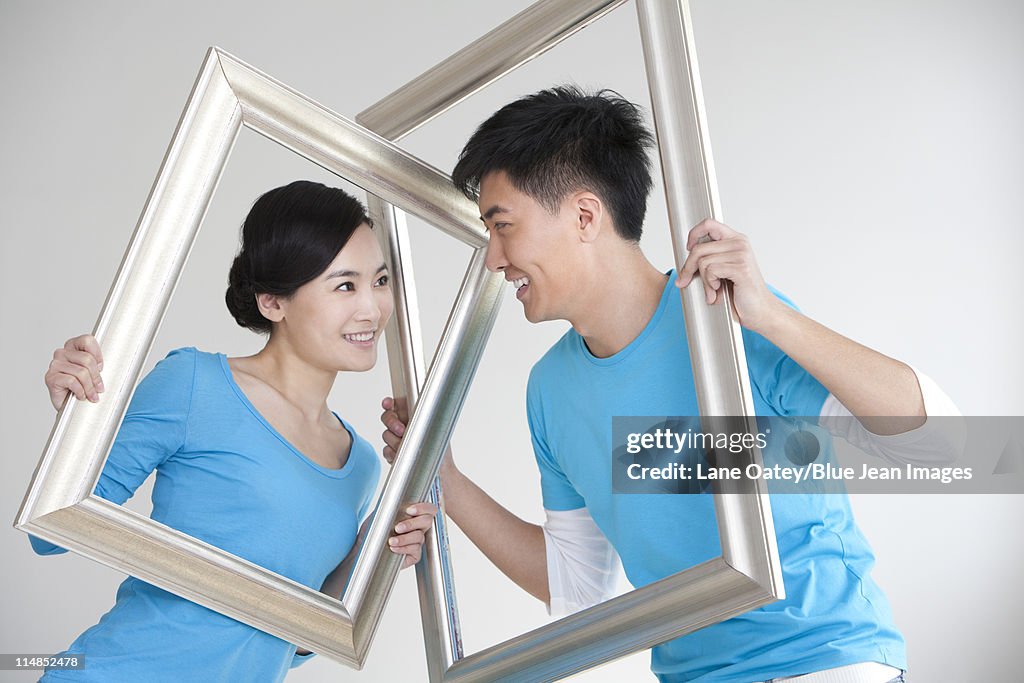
pixel 299 382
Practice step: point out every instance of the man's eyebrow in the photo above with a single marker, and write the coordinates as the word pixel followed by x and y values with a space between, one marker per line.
pixel 489 214
pixel 353 273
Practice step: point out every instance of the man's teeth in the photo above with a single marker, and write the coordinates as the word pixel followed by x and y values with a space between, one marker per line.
pixel 360 337
pixel 520 282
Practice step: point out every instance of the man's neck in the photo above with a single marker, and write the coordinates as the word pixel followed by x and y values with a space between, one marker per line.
pixel 619 304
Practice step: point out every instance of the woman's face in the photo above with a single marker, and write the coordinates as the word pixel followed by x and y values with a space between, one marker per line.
pixel 335 321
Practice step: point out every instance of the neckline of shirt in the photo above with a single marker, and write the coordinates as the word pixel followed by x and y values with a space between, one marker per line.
pixel 340 473
pixel 636 343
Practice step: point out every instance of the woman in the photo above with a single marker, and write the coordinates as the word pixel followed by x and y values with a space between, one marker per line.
pixel 248 456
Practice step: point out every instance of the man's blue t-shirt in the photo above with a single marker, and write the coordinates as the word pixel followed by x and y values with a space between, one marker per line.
pixel 225 476
pixel 833 614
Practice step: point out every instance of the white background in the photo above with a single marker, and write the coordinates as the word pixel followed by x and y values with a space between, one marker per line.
pixel 871 150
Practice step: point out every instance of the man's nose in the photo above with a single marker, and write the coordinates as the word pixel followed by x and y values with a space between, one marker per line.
pixel 495 260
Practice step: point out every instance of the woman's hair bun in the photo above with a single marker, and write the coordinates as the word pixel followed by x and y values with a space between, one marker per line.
pixel 241 296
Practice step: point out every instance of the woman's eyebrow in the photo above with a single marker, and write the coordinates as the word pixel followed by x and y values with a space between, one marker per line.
pixel 353 273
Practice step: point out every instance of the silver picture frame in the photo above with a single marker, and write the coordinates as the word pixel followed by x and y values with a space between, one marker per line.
pixel 59 505
pixel 748 573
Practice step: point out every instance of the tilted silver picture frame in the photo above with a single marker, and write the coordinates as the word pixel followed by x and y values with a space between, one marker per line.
pixel 748 573
pixel 60 506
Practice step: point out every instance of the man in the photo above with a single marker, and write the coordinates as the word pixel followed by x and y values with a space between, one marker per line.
pixel 562 180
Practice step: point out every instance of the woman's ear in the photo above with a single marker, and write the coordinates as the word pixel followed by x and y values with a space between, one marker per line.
pixel 270 306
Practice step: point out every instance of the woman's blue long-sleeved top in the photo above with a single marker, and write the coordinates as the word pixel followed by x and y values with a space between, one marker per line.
pixel 225 476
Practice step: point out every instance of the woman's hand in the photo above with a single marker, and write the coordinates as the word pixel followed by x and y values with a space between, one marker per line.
pixel 75 369
pixel 410 533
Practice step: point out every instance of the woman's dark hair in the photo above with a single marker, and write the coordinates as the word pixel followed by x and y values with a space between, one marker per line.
pixel 561 140
pixel 290 236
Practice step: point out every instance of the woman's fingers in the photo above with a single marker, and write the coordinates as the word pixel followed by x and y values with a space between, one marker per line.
pixel 88 344
pixel 59 384
pixel 411 533
pixel 84 366
pixel 420 521
pixel 427 510
pixel 406 540
pixel 75 369
pixel 63 376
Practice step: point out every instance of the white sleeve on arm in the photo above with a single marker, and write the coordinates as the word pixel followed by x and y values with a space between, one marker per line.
pixel 933 443
pixel 583 568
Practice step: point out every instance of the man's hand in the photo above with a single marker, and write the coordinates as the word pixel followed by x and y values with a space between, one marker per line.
pixel 515 546
pixel 394 419
pixel 410 533
pixel 866 382
pixel 75 369
pixel 727 255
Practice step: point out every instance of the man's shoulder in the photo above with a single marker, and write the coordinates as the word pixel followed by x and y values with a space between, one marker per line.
pixel 552 364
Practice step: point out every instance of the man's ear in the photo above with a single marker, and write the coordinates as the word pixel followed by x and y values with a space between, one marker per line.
pixel 270 306
pixel 590 214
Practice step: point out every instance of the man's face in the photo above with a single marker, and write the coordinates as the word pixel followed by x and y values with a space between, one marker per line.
pixel 533 248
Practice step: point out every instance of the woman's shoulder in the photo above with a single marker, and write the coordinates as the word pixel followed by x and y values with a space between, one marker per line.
pixel 180 367
pixel 188 359
pixel 176 379
pixel 167 388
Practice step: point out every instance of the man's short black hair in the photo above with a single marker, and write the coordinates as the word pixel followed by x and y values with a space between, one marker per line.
pixel 561 140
